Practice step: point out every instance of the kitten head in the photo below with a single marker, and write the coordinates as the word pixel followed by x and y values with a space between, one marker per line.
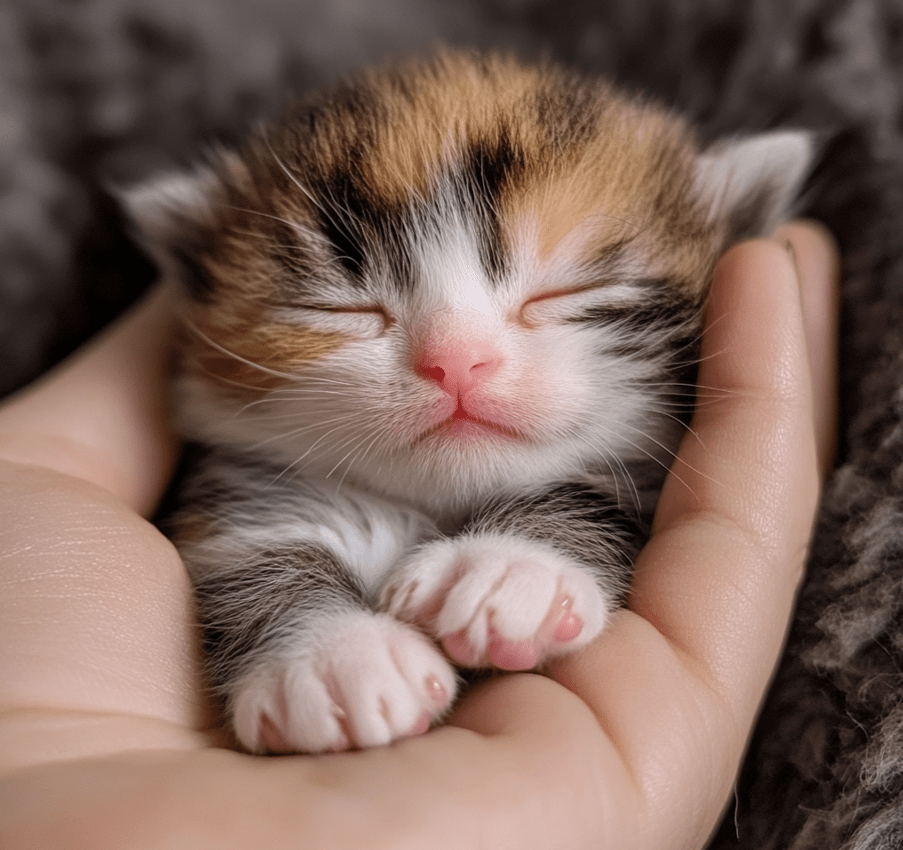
pixel 456 278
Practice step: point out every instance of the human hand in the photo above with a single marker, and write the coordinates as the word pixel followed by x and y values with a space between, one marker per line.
pixel 106 739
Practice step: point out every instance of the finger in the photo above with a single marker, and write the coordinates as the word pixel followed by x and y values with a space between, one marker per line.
pixel 817 259
pixel 733 524
pixel 103 414
pixel 676 681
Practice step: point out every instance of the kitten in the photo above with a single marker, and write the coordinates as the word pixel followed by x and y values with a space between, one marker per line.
pixel 439 325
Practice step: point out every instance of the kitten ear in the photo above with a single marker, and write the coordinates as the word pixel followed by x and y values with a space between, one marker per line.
pixel 164 206
pixel 169 214
pixel 751 183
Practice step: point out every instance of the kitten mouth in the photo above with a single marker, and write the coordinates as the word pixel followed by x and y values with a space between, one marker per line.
pixel 462 424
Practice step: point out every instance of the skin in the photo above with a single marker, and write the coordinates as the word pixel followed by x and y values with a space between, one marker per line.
pixel 106 740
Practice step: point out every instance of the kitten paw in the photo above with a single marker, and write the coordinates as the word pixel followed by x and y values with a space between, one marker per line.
pixel 356 680
pixel 498 600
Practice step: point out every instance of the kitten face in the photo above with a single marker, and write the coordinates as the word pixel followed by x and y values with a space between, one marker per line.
pixel 462 278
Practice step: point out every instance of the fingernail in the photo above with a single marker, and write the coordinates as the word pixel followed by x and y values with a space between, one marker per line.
pixel 794 259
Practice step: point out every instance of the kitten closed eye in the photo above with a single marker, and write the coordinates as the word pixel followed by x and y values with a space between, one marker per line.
pixel 373 310
pixel 564 303
pixel 363 320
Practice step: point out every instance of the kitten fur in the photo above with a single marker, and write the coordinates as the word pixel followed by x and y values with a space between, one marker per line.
pixel 439 331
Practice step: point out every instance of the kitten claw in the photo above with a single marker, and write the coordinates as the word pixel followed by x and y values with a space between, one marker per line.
pixel 569 624
pixel 437 692
pixel 568 629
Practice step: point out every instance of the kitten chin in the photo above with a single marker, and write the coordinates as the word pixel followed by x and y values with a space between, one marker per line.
pixel 440 327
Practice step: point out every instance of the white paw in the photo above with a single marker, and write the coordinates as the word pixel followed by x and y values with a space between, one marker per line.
pixel 356 679
pixel 498 600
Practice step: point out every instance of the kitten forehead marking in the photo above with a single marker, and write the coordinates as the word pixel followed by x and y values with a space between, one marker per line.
pixel 520 145
pixel 451 272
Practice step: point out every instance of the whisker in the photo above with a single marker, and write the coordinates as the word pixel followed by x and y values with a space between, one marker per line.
pixel 300 186
pixel 265 369
pixel 294 225
pixel 673 455
pixel 296 432
pixel 351 452
pixel 622 472
pixel 260 415
pixel 645 452
pixel 334 423
pixel 301 457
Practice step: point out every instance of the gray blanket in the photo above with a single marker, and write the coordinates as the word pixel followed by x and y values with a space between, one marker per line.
pixel 100 93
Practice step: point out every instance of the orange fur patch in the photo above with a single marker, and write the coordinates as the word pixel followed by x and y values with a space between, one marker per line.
pixel 612 179
pixel 256 357
pixel 442 107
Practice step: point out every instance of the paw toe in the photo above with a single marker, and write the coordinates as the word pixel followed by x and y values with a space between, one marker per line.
pixel 366 681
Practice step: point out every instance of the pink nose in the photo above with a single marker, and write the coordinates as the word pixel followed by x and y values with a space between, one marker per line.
pixel 458 368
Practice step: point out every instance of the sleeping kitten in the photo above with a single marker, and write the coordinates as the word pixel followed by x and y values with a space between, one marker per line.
pixel 439 326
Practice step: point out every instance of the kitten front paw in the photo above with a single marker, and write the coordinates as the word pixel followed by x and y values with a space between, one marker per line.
pixel 356 680
pixel 497 600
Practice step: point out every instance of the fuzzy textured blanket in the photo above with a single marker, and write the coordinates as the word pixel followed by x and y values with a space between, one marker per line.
pixel 100 93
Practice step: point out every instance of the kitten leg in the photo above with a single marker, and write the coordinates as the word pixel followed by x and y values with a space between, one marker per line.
pixel 523 582
pixel 305 665
pixel 285 574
